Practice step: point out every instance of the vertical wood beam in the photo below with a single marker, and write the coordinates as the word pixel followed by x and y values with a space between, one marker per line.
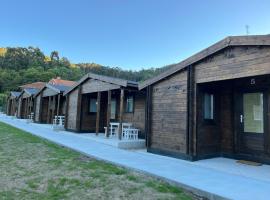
pixel 148 112
pixel 79 109
pixel 26 108
pixel 66 111
pixel 122 95
pixel 109 112
pixel 48 112
pixel 98 112
pixel 40 107
pixel 58 104
pixel 53 107
pixel 190 141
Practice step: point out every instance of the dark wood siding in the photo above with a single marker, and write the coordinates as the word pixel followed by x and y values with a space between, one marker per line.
pixel 138 116
pixel 169 112
pixel 234 62
pixel 37 107
pixel 72 109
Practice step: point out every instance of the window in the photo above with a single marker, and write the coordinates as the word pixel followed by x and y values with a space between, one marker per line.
pixel 130 104
pixel 113 109
pixel 208 106
pixel 93 105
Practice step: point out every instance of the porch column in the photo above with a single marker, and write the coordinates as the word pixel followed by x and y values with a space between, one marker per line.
pixel 121 113
pixel 79 109
pixel 48 111
pixel 26 108
pixel 53 106
pixel 31 104
pixel 66 112
pixel 40 107
pixel 109 112
pixel 58 104
pixel 98 112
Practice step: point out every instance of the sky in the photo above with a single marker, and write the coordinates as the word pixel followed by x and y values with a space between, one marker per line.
pixel 131 34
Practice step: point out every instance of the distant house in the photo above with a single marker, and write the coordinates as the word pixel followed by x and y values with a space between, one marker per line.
pixel 37 85
pixel 12 103
pixel 26 102
pixel 215 103
pixel 50 102
pixel 97 100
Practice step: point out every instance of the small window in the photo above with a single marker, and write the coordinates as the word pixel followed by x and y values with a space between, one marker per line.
pixel 93 105
pixel 208 106
pixel 113 109
pixel 130 104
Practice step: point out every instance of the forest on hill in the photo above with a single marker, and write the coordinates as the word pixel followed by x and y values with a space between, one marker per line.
pixel 21 65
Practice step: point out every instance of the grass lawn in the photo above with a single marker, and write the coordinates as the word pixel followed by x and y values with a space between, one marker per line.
pixel 33 168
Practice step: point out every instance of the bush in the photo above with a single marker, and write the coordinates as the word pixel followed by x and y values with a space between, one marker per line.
pixel 3 98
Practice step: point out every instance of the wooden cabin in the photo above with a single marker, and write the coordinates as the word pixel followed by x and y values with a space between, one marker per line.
pixel 26 102
pixel 50 102
pixel 97 100
pixel 215 103
pixel 12 103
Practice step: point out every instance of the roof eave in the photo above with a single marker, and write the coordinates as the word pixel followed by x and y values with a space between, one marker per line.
pixel 255 40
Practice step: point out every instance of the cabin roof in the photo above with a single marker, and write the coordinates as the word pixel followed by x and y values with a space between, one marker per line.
pixel 59 81
pixel 252 40
pixel 30 91
pixel 57 88
pixel 15 94
pixel 37 85
pixel 112 80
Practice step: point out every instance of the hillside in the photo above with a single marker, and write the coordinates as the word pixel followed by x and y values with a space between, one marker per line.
pixel 22 65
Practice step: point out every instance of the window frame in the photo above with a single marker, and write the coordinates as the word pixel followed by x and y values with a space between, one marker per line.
pixel 212 111
pixel 126 103
pixel 89 105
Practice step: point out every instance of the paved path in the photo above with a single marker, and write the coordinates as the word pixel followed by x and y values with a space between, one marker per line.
pixel 210 182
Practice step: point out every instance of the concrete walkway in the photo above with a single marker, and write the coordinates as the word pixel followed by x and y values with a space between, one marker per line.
pixel 213 182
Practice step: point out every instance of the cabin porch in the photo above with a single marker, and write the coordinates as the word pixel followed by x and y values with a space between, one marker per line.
pixel 111 113
pixel 232 119
pixel 50 107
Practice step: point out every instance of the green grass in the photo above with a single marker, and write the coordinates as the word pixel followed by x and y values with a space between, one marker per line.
pixel 33 168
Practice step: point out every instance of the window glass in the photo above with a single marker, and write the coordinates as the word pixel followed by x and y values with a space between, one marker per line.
pixel 93 105
pixel 253 112
pixel 113 109
pixel 130 104
pixel 208 106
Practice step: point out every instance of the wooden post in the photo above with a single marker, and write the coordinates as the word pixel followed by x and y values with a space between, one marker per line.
pixel 48 112
pixel 79 109
pixel 58 104
pixel 190 112
pixel 122 94
pixel 40 107
pixel 109 112
pixel 53 106
pixel 66 112
pixel 148 116
pixel 26 108
pixel 31 104
pixel 98 112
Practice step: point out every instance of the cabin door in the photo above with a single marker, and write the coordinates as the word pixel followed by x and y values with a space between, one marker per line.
pixel 252 118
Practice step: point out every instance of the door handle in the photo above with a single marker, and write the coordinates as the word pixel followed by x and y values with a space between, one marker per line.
pixel 241 118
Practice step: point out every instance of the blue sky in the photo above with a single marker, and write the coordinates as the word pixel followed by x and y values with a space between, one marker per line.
pixel 131 34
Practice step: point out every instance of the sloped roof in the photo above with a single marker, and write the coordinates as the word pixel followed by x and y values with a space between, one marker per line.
pixel 112 80
pixel 254 40
pixel 15 94
pixel 59 81
pixel 37 85
pixel 57 88
pixel 30 91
